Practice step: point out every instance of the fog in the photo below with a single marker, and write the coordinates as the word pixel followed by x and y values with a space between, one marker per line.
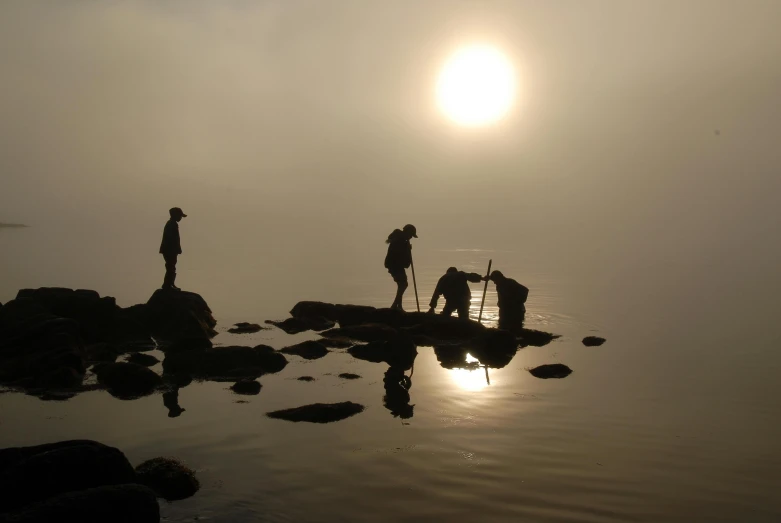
pixel 293 131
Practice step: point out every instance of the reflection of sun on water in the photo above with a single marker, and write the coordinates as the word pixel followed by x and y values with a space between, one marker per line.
pixel 476 86
pixel 472 378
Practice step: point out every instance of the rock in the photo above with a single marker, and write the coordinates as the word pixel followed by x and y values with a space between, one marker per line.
pixel 232 362
pixel 399 352
pixel 146 360
pixel 128 503
pixel 553 370
pixel 101 351
pixel 248 387
pixel 319 412
pixel 349 376
pixel 310 350
pixel 32 474
pixel 593 341
pixel 297 325
pixel 175 315
pixel 367 332
pixel 305 378
pixel 62 378
pixel 245 328
pixel 336 343
pixel 315 309
pixel 169 478
pixel 128 380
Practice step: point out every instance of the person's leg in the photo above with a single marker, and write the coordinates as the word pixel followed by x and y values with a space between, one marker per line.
pixel 170 271
pixel 463 310
pixel 448 309
pixel 400 277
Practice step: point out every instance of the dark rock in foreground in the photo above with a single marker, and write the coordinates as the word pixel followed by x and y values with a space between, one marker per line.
pixel 247 387
pixel 553 370
pixel 139 358
pixel 349 376
pixel 127 503
pixel 168 478
pixel 245 328
pixel 174 315
pixel 319 412
pixel 127 380
pixel 310 350
pixel 233 362
pixel 593 341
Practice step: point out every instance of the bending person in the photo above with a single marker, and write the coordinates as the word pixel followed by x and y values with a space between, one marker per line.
pixel 453 285
pixel 512 299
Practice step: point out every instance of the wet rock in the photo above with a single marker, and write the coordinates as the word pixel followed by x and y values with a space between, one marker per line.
pixel 310 350
pixel 336 343
pixel 305 378
pixel 128 503
pixel 127 380
pixel 399 351
pixel 247 387
pixel 146 360
pixel 32 474
pixel 175 315
pixel 245 328
pixel 62 378
pixel 102 351
pixel 593 341
pixel 349 376
pixel 168 478
pixel 319 412
pixel 366 332
pixel 297 325
pixel 535 338
pixel 553 370
pixel 232 362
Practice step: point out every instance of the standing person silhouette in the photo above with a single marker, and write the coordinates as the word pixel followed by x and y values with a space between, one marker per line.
pixel 171 247
pixel 399 257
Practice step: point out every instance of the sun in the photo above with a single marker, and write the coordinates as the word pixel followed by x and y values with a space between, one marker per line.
pixel 476 86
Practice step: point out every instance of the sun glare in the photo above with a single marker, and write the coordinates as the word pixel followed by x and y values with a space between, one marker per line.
pixel 476 86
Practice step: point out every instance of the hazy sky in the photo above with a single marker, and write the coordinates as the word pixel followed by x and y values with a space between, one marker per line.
pixel 320 116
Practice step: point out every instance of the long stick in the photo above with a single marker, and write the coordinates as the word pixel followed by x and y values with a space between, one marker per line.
pixel 414 283
pixel 485 290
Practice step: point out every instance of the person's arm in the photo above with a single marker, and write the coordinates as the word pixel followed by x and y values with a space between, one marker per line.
pixel 473 277
pixel 435 297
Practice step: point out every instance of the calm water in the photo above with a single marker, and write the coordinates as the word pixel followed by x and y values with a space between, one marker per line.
pixel 676 418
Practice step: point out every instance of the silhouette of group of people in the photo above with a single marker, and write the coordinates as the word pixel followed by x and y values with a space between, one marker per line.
pixel 454 284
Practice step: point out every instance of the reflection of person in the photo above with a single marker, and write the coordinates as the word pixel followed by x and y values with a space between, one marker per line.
pixel 397 398
pixel 399 257
pixel 171 247
pixel 171 402
pixel 512 299
pixel 453 285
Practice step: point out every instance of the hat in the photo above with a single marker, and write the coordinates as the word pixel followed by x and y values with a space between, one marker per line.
pixel 411 229
pixel 176 210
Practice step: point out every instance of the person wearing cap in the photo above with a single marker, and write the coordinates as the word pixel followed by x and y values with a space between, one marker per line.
pixel 399 257
pixel 512 299
pixel 171 247
pixel 455 287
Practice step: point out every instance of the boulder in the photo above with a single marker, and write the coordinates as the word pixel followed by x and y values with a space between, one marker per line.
pixel 366 332
pixel 146 360
pixel 310 350
pixel 319 412
pixel 32 474
pixel 174 315
pixel 593 341
pixel 232 362
pixel 245 328
pixel 553 370
pixel 168 478
pixel 127 380
pixel 127 503
pixel 246 387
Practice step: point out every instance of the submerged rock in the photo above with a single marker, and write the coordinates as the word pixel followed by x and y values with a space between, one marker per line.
pixel 225 362
pixel 146 360
pixel 305 378
pixel 310 350
pixel 247 387
pixel 168 478
pixel 319 412
pixel 349 376
pixel 593 341
pixel 127 380
pixel 553 370
pixel 245 328
pixel 126 503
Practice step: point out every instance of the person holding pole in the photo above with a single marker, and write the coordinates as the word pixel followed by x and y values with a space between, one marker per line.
pixel 512 299
pixel 453 285
pixel 399 258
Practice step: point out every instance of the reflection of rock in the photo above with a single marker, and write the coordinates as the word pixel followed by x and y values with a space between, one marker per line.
pixel 245 328
pixel 399 352
pixel 247 387
pixel 128 503
pixel 127 380
pixel 553 370
pixel 296 325
pixel 33 474
pixel 494 349
pixel 593 341
pixel 397 397
pixel 319 412
pixel 349 376
pixel 535 338
pixel 233 362
pixel 169 478
pixel 310 350
pixel 139 358
pixel 367 332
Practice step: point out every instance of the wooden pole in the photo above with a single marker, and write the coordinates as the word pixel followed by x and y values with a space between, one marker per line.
pixel 485 290
pixel 414 283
